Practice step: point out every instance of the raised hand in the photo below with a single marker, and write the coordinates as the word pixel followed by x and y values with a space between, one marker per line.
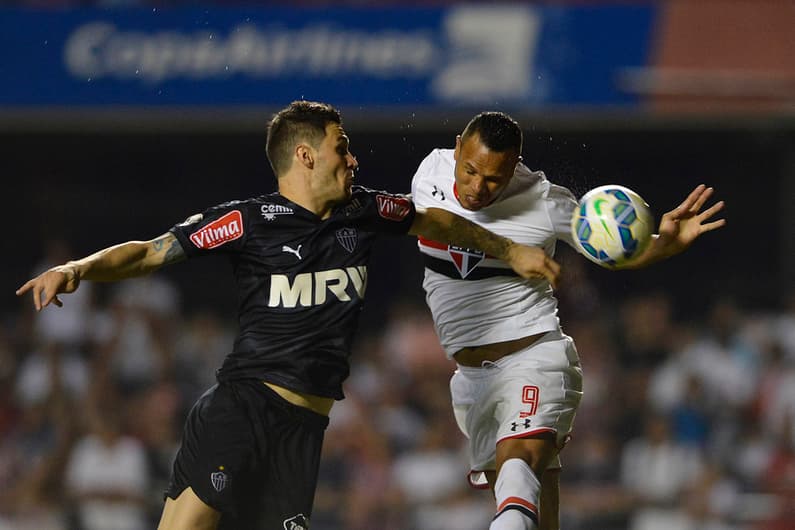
pixel 685 223
pixel 47 285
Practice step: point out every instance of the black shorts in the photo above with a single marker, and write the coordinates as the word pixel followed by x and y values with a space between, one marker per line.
pixel 250 455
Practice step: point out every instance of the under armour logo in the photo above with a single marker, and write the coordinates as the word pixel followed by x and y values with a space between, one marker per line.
pixel 515 425
pixel 296 251
pixel 437 191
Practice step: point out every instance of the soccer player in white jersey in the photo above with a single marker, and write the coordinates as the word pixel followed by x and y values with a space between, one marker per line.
pixel 519 381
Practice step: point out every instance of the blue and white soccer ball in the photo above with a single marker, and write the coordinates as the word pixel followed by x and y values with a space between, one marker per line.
pixel 612 225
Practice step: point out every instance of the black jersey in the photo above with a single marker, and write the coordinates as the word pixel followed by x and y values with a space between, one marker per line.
pixel 300 281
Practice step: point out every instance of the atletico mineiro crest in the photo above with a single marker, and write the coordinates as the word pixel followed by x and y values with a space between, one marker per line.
pixel 465 259
pixel 347 237
pixel 219 480
pixel 298 522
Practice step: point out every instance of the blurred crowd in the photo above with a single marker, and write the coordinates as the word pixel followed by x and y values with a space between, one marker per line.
pixel 685 425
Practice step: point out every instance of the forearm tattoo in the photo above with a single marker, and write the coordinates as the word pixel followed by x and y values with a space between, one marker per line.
pixel 474 236
pixel 173 250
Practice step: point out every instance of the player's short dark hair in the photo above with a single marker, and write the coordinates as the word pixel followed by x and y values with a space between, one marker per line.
pixel 497 131
pixel 300 121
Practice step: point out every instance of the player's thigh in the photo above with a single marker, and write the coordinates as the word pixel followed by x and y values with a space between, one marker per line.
pixel 278 490
pixel 537 449
pixel 285 495
pixel 188 512
pixel 218 450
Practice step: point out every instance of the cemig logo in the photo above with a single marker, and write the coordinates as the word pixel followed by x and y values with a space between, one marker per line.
pixel 393 208
pixel 270 211
pixel 223 230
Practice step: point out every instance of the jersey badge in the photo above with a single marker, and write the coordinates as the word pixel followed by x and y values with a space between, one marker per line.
pixel 297 522
pixel 465 259
pixel 393 208
pixel 219 480
pixel 270 211
pixel 224 229
pixel 347 237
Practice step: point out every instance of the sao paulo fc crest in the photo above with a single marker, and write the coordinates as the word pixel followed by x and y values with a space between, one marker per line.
pixel 465 259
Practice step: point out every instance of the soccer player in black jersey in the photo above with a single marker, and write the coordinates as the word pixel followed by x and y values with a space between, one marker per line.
pixel 251 444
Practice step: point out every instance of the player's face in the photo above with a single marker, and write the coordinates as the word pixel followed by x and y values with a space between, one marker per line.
pixel 480 173
pixel 335 164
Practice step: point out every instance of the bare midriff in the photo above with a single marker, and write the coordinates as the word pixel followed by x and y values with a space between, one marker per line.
pixel 320 405
pixel 475 356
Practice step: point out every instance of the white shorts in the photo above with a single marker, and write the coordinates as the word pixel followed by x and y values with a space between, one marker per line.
pixel 532 391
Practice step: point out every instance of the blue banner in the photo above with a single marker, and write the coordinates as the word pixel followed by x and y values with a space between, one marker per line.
pixel 463 55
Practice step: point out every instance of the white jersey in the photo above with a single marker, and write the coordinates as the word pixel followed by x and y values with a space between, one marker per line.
pixel 476 299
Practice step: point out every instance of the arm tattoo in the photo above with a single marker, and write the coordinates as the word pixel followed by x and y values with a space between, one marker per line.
pixel 476 237
pixel 174 252
pixel 169 243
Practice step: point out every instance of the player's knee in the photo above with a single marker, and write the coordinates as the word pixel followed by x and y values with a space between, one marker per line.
pixel 512 520
pixel 537 451
pixel 517 494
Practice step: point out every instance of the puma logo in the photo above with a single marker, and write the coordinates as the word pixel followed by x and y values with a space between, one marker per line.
pixel 296 251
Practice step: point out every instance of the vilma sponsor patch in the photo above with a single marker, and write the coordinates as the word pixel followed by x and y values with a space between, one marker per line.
pixel 224 229
pixel 393 208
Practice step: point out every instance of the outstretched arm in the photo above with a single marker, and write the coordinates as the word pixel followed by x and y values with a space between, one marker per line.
pixel 680 227
pixel 446 227
pixel 126 260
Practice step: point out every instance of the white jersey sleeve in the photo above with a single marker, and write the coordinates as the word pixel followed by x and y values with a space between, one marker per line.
pixel 477 299
pixel 425 190
pixel 561 205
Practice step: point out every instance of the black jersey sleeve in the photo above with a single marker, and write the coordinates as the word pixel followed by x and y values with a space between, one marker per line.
pixel 381 211
pixel 219 229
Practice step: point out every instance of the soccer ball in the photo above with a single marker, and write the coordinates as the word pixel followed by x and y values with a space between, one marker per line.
pixel 612 225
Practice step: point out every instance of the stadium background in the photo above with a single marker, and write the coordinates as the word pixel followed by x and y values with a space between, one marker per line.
pixel 698 352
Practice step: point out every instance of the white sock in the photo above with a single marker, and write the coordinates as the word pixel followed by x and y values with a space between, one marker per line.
pixel 516 492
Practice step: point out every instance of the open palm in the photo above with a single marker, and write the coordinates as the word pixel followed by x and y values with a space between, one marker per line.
pixel 685 223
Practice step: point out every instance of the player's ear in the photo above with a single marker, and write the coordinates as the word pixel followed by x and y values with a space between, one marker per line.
pixel 457 147
pixel 305 156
